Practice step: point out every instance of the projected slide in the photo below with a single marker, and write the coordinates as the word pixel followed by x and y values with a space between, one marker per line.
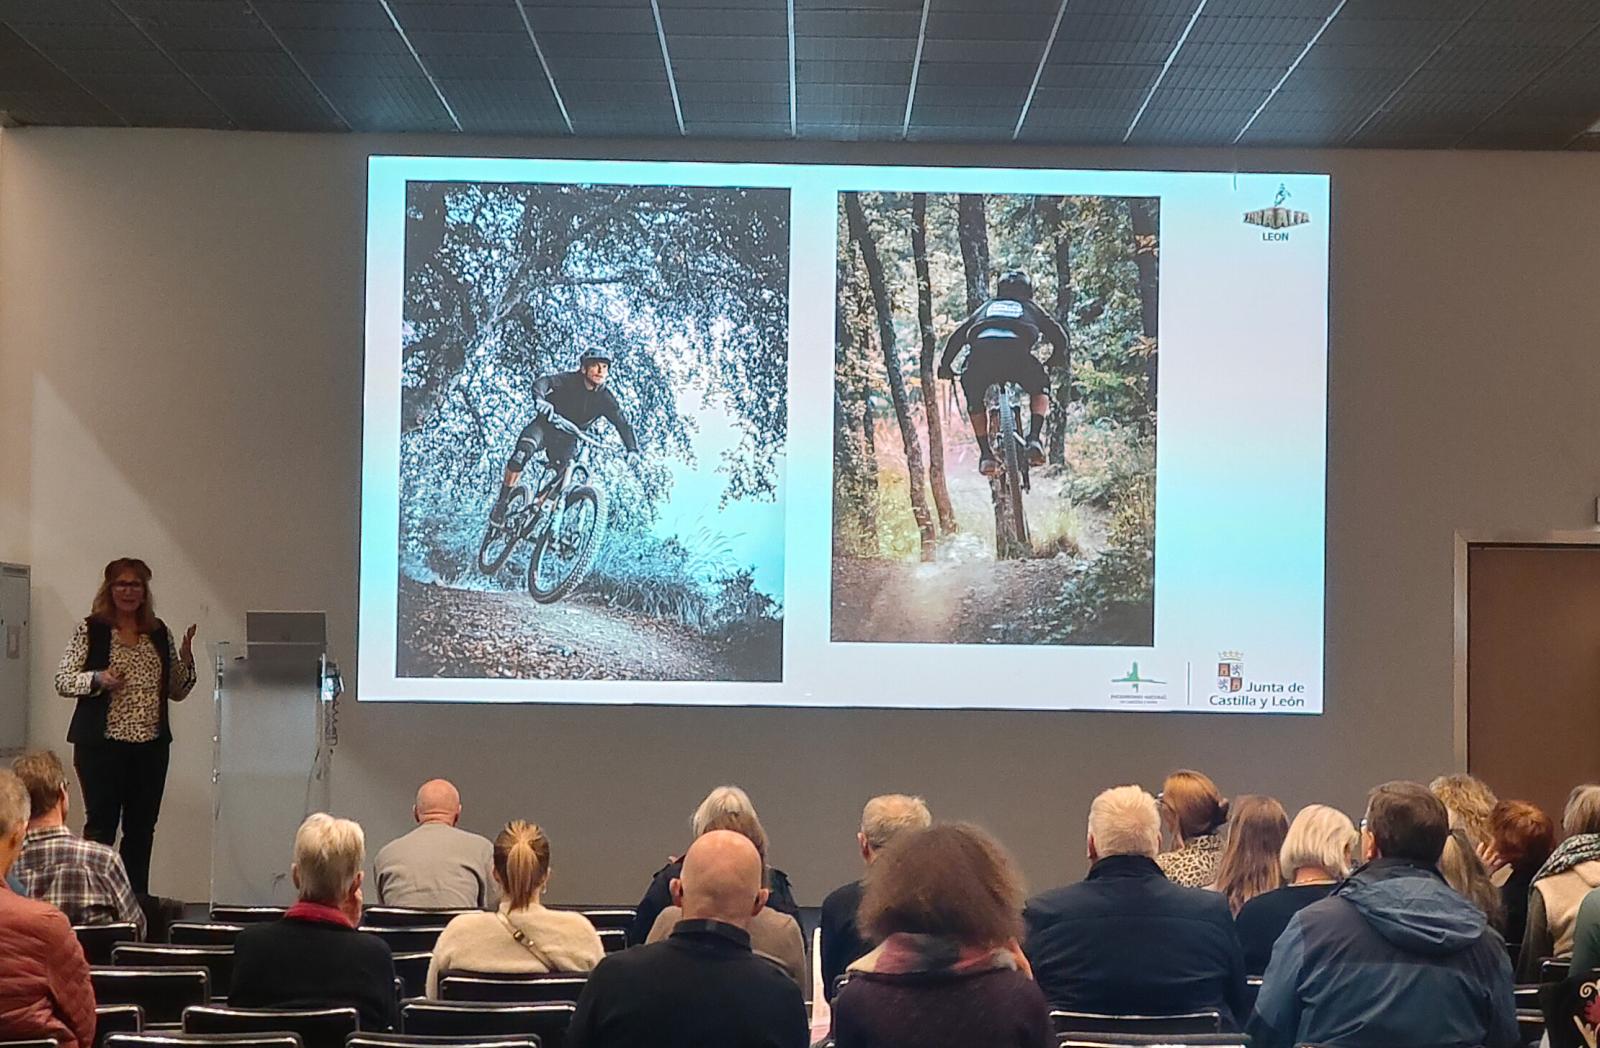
pixel 735 434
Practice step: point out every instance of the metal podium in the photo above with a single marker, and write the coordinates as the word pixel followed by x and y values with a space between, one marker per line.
pixel 275 702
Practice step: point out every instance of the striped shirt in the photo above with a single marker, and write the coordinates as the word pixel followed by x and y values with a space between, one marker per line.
pixel 83 879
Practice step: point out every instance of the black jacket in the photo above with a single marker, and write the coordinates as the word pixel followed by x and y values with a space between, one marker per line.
pixel 701 987
pixel 1128 941
pixel 841 938
pixel 570 395
pixel 658 897
pixel 1261 920
pixel 89 715
pixel 294 963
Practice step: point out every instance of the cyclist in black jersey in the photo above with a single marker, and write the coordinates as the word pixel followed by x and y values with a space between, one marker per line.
pixel 578 396
pixel 1002 333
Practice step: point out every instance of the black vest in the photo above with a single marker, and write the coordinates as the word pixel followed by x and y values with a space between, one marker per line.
pixel 89 718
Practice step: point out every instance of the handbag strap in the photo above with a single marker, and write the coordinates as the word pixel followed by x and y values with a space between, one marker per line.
pixel 522 939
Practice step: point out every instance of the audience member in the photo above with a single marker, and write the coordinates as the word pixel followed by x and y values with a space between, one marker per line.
pixel 1194 811
pixel 1586 935
pixel 1250 860
pixel 523 935
pixel 1126 940
pixel 883 819
pixel 1470 801
pixel 943 904
pixel 773 935
pixel 1393 956
pixel 83 879
pixel 1570 873
pixel 437 866
pixel 44 983
pixel 1462 870
pixel 702 985
pixel 1317 853
pixel 1522 838
pixel 725 808
pixel 314 957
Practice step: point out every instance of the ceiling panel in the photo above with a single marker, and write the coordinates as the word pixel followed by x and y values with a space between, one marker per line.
pixel 606 60
pixel 33 91
pixel 853 66
pixel 731 61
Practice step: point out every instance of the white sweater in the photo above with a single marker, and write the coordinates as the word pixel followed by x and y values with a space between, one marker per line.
pixel 480 942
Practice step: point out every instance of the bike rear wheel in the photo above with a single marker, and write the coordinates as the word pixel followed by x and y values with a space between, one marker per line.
pixel 561 560
pixel 499 540
pixel 1011 522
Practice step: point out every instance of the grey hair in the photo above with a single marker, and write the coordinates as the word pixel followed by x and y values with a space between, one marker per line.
pixel 15 808
pixel 1124 820
pixel 886 817
pixel 729 808
pixel 328 854
pixel 1582 813
pixel 1320 837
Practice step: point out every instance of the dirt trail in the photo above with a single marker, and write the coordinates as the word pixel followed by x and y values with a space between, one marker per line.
pixel 448 632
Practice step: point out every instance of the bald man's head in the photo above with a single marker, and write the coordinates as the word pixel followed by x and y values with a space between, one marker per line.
pixel 437 801
pixel 721 879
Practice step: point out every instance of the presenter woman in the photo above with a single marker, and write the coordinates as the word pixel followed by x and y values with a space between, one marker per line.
pixel 123 666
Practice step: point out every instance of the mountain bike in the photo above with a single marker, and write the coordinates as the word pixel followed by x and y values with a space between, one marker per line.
pixel 565 523
pixel 1003 402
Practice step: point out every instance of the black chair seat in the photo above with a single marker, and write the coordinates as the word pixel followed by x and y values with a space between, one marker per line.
pixel 97 939
pixel 162 992
pixel 203 933
pixel 412 971
pixel 247 914
pixel 1554 969
pixel 407 917
pixel 459 1019
pixel 417 1040
pixel 317 1027
pixel 531 988
pixel 205 1040
pixel 1207 1021
pixel 116 1018
pixel 1188 1040
pixel 613 939
pixel 409 939
pixel 218 960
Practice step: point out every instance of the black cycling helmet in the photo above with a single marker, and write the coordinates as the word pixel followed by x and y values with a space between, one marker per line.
pixel 1015 284
pixel 594 356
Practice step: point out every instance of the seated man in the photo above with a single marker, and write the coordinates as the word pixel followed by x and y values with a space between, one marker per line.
pixel 883 819
pixel 437 866
pixel 44 980
pixel 314 957
pixel 1127 941
pixel 1394 956
pixel 702 985
pixel 83 879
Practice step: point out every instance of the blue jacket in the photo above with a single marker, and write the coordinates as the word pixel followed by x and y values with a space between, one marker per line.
pixel 1393 957
pixel 1128 941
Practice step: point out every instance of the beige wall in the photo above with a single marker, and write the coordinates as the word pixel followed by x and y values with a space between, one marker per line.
pixel 180 360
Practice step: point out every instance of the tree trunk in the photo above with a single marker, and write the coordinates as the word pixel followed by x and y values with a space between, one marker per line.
pixel 930 389
pixel 861 233
pixel 1059 237
pixel 855 483
pixel 973 230
pixel 1145 215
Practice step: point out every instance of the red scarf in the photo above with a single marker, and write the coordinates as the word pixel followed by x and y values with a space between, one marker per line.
pixel 318 912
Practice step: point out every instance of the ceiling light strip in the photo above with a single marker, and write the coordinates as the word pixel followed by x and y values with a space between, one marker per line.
pixel 666 59
pixel 794 123
pixel 398 28
pixel 1038 74
pixel 566 118
pixel 1287 73
pixel 916 69
pixel 1184 36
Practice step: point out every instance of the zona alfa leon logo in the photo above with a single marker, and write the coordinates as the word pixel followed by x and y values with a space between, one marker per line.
pixel 1277 216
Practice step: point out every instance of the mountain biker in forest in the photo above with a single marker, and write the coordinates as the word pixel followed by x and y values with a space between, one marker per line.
pixel 1002 333
pixel 578 396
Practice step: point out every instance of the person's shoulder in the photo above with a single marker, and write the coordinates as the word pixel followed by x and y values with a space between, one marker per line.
pixel 570 922
pixel 1056 900
pixel 33 917
pixel 472 923
pixel 844 896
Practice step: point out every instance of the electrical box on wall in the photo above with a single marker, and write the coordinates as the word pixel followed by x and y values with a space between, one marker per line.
pixel 14 645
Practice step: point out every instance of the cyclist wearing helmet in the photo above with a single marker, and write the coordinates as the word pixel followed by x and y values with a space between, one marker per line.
pixel 578 396
pixel 1002 333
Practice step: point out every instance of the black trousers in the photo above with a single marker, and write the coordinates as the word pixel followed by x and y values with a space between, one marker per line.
pixel 123 783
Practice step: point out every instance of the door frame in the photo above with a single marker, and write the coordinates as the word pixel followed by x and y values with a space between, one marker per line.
pixel 1464 540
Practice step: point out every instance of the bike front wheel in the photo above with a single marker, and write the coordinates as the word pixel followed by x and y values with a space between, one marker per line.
pixel 499 540
pixel 563 556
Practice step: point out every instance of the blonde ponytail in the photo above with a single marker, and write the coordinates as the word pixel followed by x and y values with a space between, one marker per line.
pixel 522 860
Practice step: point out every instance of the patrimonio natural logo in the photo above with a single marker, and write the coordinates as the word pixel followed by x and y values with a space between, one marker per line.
pixel 1132 677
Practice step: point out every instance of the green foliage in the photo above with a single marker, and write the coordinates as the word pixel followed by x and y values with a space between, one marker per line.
pixel 1112 600
pixel 1104 458
pixel 692 579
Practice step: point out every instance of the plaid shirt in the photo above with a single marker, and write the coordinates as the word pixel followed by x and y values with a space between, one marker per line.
pixel 83 879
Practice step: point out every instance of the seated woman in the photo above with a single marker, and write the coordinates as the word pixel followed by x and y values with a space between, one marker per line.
pixel 1193 811
pixel 1571 872
pixel 1250 863
pixel 523 935
pixel 725 808
pixel 945 904
pixel 1470 802
pixel 1464 871
pixel 1317 853
pixel 1522 837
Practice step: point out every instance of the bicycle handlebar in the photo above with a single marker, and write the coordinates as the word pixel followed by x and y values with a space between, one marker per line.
pixel 567 426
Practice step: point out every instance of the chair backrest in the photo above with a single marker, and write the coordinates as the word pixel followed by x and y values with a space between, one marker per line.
pixel 1554 969
pixel 412 970
pixel 203 933
pixel 317 1027
pixel 1208 1021
pixel 483 986
pixel 116 1018
pixel 613 939
pixel 407 917
pixel 218 960
pixel 247 914
pixel 417 1040
pixel 97 939
pixel 620 918
pixel 455 1019
pixel 162 992
pixel 1188 1040
pixel 30 1042
pixel 408 939
pixel 204 1040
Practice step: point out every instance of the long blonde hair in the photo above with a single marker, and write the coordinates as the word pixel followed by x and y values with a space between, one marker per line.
pixel 522 861
pixel 1250 861
pixel 104 610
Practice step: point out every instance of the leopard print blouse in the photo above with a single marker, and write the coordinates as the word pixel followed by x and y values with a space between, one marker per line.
pixel 1195 864
pixel 134 714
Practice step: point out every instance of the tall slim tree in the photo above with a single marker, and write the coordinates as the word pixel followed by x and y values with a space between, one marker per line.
pixel 866 243
pixel 1058 235
pixel 972 227
pixel 930 390
pixel 1145 217
pixel 855 480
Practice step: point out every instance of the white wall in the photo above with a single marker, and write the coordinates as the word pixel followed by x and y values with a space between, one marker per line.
pixel 180 346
